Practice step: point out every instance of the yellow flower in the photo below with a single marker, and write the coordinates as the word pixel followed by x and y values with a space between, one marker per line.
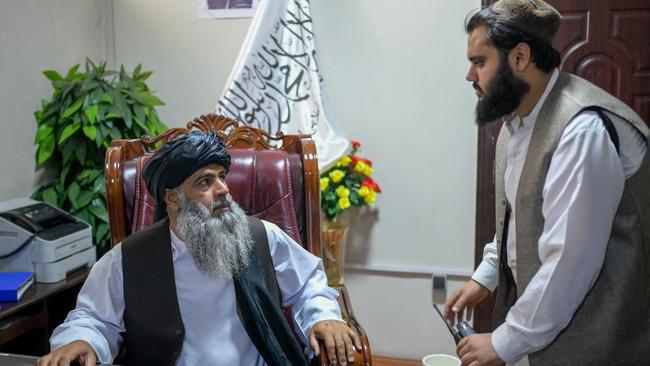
pixel 344 203
pixel 342 192
pixel 360 166
pixel 324 183
pixel 336 175
pixel 368 170
pixel 344 161
pixel 370 198
pixel 364 191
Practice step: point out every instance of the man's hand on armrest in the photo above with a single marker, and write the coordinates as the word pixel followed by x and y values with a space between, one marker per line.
pixel 338 339
pixel 80 351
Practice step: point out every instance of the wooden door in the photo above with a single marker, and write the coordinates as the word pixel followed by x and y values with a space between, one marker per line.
pixel 604 41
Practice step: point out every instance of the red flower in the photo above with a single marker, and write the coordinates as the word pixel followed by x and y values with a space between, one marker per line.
pixel 355 144
pixel 356 159
pixel 372 185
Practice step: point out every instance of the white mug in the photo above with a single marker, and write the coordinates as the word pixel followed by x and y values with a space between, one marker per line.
pixel 440 360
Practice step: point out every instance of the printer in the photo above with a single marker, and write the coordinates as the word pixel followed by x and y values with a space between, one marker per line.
pixel 38 237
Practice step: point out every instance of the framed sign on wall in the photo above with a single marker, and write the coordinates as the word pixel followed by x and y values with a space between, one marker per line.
pixel 209 9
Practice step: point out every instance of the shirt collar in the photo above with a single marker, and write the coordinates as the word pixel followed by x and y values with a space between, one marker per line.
pixel 179 247
pixel 532 117
pixel 529 120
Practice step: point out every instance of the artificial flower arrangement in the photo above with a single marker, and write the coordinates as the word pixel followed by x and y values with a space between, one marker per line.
pixel 348 183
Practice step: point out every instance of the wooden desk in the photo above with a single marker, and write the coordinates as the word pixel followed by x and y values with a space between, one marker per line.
pixel 22 360
pixel 26 325
pixel 17 360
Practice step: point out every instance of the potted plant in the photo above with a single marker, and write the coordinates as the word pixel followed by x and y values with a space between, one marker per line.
pixel 347 184
pixel 86 111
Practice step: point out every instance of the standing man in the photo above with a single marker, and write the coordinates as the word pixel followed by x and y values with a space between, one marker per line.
pixel 571 254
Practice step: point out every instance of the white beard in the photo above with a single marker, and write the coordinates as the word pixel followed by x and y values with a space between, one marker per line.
pixel 220 246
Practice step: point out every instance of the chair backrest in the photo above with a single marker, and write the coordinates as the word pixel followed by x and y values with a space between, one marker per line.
pixel 274 178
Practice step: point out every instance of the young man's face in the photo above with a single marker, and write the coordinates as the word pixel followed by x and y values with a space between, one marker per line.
pixel 484 60
pixel 499 90
pixel 207 186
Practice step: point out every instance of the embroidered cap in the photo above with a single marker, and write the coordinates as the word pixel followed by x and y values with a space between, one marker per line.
pixel 535 17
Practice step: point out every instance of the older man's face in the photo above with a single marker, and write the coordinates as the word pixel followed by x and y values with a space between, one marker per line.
pixel 214 228
pixel 208 187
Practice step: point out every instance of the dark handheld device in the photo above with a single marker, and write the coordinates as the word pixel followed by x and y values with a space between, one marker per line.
pixel 458 331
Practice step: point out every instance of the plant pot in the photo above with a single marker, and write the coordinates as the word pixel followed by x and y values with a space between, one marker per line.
pixel 334 243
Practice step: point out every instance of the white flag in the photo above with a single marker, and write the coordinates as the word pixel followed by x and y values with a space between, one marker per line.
pixel 276 83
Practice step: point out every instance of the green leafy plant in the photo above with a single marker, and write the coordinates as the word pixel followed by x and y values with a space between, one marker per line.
pixel 86 111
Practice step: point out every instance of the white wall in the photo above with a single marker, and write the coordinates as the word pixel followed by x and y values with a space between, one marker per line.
pixel 191 58
pixel 395 75
pixel 36 36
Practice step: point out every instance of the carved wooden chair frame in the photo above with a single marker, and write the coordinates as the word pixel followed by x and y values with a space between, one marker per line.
pixel 244 137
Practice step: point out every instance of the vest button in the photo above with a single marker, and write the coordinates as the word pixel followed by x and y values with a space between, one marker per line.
pixel 179 332
pixel 175 353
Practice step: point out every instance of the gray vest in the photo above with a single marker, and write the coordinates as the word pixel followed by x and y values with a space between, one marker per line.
pixel 612 325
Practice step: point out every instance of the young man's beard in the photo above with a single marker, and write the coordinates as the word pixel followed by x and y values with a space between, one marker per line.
pixel 502 95
pixel 221 245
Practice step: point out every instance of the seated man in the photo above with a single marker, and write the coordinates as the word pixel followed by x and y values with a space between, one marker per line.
pixel 204 286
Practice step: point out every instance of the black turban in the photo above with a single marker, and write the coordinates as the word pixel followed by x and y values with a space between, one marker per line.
pixel 178 159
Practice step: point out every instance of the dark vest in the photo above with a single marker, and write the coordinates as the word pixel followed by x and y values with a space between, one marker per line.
pixel 612 324
pixel 154 328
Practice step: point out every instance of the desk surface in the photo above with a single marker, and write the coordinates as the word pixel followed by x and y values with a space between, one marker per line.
pixel 7 359
pixel 17 360
pixel 39 291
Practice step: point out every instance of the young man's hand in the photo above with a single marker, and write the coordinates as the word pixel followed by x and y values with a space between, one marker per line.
pixel 79 351
pixel 338 339
pixel 477 350
pixel 464 300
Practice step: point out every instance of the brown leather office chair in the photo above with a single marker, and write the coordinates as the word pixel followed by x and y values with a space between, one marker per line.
pixel 278 184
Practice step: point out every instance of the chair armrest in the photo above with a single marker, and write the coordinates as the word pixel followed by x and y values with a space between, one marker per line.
pixel 363 356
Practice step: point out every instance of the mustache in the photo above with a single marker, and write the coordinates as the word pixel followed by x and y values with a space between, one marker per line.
pixel 223 201
pixel 476 87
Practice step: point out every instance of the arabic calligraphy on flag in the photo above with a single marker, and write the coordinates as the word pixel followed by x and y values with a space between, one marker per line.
pixel 276 83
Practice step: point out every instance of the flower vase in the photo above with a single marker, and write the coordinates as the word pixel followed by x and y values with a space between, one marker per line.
pixel 334 242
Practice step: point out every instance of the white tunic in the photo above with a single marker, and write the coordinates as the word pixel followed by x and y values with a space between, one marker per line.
pixel 214 333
